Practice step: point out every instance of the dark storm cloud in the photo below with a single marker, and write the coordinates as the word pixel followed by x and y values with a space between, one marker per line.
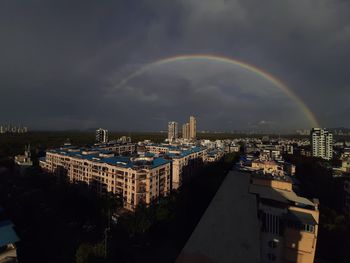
pixel 59 61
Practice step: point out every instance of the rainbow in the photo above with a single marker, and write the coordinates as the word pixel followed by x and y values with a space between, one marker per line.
pixel 205 57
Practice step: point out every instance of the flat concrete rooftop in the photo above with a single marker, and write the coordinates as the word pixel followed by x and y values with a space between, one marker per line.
pixel 229 229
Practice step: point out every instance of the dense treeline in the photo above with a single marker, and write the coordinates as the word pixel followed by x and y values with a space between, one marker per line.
pixel 12 144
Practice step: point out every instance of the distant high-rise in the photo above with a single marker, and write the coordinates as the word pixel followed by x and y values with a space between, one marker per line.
pixel 322 143
pixel 193 128
pixel 186 131
pixel 172 131
pixel 101 135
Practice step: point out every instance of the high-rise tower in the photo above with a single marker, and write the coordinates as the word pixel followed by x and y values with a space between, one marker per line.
pixel 186 131
pixel 193 128
pixel 322 143
pixel 101 135
pixel 172 131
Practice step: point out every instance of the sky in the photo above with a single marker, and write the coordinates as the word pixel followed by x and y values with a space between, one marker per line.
pixel 62 63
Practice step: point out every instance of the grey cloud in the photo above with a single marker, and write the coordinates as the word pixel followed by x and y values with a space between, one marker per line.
pixel 58 59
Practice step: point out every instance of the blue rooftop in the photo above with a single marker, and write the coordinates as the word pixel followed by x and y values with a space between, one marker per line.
pixel 115 160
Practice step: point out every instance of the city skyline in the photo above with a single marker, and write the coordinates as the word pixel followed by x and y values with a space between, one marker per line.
pixel 222 61
pixel 175 131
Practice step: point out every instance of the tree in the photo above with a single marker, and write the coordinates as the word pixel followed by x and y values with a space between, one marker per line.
pixel 87 253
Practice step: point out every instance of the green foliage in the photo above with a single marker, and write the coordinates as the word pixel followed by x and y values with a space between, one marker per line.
pixel 331 220
pixel 230 158
pixel 87 253
pixel 139 222
pixel 53 215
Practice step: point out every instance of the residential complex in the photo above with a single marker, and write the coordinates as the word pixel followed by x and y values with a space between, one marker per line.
pixel 136 180
pixel 101 135
pixel 322 143
pixel 173 131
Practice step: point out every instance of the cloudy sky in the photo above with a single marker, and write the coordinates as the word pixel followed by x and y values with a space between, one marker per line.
pixel 62 63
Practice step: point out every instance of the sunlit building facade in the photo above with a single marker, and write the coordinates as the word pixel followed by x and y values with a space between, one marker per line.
pixel 185 161
pixel 136 180
pixel 322 143
pixel 186 131
pixel 193 128
pixel 173 131
pixel 101 135
pixel 289 223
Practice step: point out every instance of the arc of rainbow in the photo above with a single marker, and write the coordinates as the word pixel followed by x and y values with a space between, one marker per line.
pixel 264 74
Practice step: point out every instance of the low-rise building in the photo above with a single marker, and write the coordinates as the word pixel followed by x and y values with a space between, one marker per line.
pixel 24 159
pixel 214 156
pixel 289 223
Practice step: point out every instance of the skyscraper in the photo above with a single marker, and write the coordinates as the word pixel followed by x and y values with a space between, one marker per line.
pixel 193 128
pixel 172 131
pixel 101 135
pixel 186 131
pixel 322 143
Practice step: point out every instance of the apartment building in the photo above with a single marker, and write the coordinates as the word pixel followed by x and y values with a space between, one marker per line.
pixel 186 131
pixel 193 128
pixel 172 131
pixel 185 163
pixel 139 179
pixel 289 223
pixel 101 135
pixel 185 160
pixel 322 143
pixel 214 155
